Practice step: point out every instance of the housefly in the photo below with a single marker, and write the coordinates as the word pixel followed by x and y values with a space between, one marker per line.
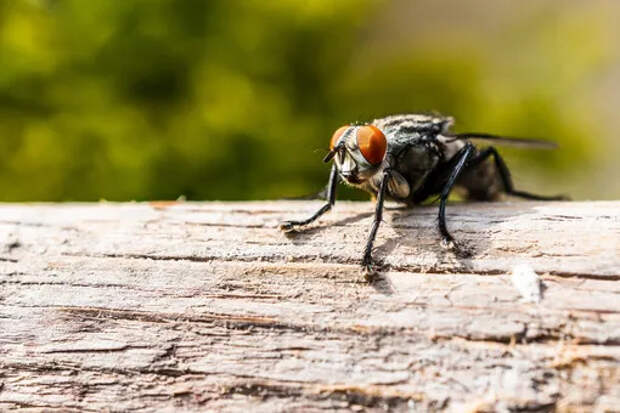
pixel 411 158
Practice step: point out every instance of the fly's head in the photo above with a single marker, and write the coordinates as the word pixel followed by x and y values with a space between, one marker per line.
pixel 358 152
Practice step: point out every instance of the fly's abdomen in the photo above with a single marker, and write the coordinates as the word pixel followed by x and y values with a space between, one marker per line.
pixel 481 182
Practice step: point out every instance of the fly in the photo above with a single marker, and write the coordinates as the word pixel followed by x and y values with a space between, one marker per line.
pixel 410 158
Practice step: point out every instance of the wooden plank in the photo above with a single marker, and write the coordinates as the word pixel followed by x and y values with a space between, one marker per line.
pixel 195 306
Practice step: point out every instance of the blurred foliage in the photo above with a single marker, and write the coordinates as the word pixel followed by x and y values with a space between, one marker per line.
pixel 237 99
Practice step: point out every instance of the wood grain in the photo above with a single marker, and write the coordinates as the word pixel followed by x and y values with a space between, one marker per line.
pixel 207 306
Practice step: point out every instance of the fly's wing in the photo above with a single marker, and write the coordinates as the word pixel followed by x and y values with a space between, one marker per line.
pixel 504 140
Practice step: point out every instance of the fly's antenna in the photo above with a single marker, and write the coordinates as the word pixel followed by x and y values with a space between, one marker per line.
pixel 330 155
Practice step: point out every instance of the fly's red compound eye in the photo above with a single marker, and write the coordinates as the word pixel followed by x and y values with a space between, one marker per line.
pixel 372 144
pixel 337 136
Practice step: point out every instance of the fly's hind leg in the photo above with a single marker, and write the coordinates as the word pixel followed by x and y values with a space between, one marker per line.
pixel 463 156
pixel 504 174
pixel 287 226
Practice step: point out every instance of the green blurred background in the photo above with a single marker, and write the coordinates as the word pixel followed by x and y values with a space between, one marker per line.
pixel 237 99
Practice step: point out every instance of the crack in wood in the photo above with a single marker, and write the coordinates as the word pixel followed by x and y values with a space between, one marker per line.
pixel 95 349
pixel 443 268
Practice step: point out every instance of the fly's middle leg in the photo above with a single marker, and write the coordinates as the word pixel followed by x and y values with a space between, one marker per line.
pixel 367 259
pixel 331 200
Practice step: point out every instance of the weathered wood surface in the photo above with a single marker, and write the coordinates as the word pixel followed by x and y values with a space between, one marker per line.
pixel 193 306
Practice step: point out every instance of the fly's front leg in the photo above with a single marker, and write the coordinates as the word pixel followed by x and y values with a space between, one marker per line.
pixel 331 199
pixel 367 260
pixel 463 157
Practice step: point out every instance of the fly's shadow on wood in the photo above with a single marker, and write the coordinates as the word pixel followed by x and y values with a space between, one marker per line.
pixel 417 246
pixel 381 283
pixel 417 234
pixel 303 235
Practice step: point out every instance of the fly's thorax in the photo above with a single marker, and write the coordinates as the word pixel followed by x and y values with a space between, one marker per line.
pixel 413 161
